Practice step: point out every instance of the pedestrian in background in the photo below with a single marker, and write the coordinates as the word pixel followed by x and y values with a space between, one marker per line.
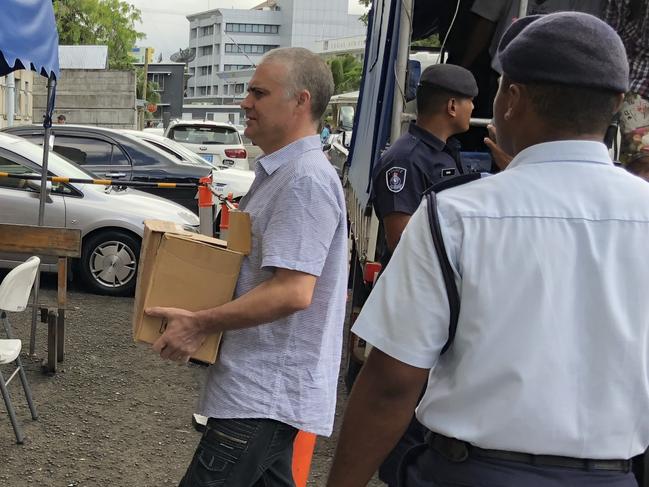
pixel 546 381
pixel 277 370
pixel 630 18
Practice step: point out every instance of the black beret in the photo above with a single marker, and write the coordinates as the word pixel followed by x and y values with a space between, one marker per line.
pixel 570 48
pixel 450 77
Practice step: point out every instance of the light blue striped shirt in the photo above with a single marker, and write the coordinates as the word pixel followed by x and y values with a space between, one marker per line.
pixel 287 370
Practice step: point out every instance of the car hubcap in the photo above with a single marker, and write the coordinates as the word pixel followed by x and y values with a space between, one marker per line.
pixel 113 264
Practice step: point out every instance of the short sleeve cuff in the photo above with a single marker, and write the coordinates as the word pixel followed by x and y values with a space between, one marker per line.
pixel 313 268
pixel 402 352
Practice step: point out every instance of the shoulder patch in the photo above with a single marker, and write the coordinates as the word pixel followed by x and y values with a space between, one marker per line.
pixel 395 178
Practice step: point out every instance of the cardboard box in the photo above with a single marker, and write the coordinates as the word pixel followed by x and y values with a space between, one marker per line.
pixel 185 270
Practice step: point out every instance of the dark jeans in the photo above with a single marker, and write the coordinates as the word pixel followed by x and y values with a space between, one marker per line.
pixel 428 468
pixel 243 453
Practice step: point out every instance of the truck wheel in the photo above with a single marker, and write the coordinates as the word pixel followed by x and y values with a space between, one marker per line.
pixel 109 262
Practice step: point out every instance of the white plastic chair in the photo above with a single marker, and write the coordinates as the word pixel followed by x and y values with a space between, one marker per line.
pixel 14 295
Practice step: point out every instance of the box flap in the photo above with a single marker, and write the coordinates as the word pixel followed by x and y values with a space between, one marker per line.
pixel 164 226
pixel 240 232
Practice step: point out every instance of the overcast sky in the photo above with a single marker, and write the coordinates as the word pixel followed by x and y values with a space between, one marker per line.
pixel 167 29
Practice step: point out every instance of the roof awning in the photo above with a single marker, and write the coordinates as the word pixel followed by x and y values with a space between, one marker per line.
pixel 28 37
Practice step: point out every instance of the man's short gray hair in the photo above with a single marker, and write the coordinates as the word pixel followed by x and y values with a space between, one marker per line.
pixel 305 71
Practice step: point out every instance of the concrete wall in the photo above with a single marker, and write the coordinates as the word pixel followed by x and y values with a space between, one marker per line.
pixel 91 97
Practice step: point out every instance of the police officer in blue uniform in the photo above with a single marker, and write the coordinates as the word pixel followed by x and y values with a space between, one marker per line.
pixel 422 157
pixel 427 153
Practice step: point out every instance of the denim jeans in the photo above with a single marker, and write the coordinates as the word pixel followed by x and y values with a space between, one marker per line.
pixel 242 453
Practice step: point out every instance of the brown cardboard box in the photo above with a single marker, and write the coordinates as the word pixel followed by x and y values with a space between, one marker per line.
pixel 185 270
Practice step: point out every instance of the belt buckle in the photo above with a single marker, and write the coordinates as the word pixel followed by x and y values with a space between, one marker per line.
pixel 452 449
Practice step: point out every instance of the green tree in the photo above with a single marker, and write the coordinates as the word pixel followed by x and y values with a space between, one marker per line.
pixel 100 22
pixel 346 71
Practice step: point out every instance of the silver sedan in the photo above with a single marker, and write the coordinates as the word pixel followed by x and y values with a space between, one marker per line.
pixel 111 219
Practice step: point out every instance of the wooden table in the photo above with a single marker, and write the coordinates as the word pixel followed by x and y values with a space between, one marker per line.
pixel 51 242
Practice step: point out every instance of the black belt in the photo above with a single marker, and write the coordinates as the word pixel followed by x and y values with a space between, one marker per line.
pixel 458 451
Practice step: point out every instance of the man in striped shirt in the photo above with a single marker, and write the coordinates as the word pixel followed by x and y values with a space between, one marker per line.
pixel 278 365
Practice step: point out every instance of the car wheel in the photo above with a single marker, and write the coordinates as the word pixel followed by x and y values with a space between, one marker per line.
pixel 109 262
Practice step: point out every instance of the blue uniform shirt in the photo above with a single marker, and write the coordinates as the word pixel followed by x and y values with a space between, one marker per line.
pixel 416 161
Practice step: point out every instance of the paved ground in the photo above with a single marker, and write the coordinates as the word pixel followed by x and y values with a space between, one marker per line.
pixel 114 415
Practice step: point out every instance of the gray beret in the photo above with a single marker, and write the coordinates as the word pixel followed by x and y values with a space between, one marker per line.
pixel 570 48
pixel 450 77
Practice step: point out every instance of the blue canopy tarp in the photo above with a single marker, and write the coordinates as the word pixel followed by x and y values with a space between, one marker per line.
pixel 28 37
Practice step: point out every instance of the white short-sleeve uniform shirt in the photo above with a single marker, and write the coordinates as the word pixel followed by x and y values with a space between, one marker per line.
pixel 551 354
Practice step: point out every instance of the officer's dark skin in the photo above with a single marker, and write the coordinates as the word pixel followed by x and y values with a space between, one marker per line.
pixel 451 118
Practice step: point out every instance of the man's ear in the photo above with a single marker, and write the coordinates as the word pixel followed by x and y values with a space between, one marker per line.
pixel 515 101
pixel 303 98
pixel 451 107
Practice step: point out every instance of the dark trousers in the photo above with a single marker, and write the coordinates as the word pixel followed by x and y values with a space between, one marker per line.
pixel 243 453
pixel 428 468
pixel 414 435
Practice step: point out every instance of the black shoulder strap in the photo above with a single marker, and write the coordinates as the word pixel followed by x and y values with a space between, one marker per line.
pixel 445 265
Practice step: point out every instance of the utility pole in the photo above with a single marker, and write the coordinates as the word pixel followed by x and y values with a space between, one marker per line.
pixel 10 98
pixel 144 83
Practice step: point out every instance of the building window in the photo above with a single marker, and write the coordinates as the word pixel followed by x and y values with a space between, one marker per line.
pixel 252 28
pixel 158 78
pixel 205 50
pixel 226 89
pixel 249 48
pixel 204 90
pixel 238 88
pixel 205 70
pixel 191 91
pixel 192 71
pixel 207 31
pixel 235 67
pixel 215 89
pixel 192 33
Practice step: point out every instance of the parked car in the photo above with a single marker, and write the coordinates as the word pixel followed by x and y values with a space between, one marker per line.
pixel 226 179
pixel 115 155
pixel 218 143
pixel 110 218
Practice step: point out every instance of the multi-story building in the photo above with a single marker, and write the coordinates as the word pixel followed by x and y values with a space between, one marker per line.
pixel 170 80
pixel 22 99
pixel 229 42
pixel 354 45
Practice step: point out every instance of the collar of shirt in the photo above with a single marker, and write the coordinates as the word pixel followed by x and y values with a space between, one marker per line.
pixel 429 139
pixel 272 162
pixel 563 151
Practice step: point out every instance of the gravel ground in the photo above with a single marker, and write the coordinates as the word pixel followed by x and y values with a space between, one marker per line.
pixel 115 414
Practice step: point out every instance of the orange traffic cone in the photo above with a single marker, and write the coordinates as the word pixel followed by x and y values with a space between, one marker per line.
pixel 303 447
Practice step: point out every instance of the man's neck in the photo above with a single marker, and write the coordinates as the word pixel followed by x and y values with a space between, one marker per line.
pixel 435 127
pixel 276 145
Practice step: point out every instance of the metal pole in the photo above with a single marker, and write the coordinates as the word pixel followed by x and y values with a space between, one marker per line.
pixel 51 83
pixel 10 98
pixel 400 67
pixel 144 88
pixel 522 9
pixel 46 155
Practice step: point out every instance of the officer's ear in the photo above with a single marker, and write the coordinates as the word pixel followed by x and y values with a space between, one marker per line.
pixel 451 107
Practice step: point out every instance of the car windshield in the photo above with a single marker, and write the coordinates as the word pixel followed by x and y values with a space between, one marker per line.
pixel 202 134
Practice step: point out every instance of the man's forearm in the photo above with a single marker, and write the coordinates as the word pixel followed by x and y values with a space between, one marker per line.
pixel 269 301
pixel 375 418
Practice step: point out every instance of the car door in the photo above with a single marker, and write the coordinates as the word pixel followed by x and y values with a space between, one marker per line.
pixel 98 155
pixel 19 199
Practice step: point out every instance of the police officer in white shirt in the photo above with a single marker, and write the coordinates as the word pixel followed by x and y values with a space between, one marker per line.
pixel 546 383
